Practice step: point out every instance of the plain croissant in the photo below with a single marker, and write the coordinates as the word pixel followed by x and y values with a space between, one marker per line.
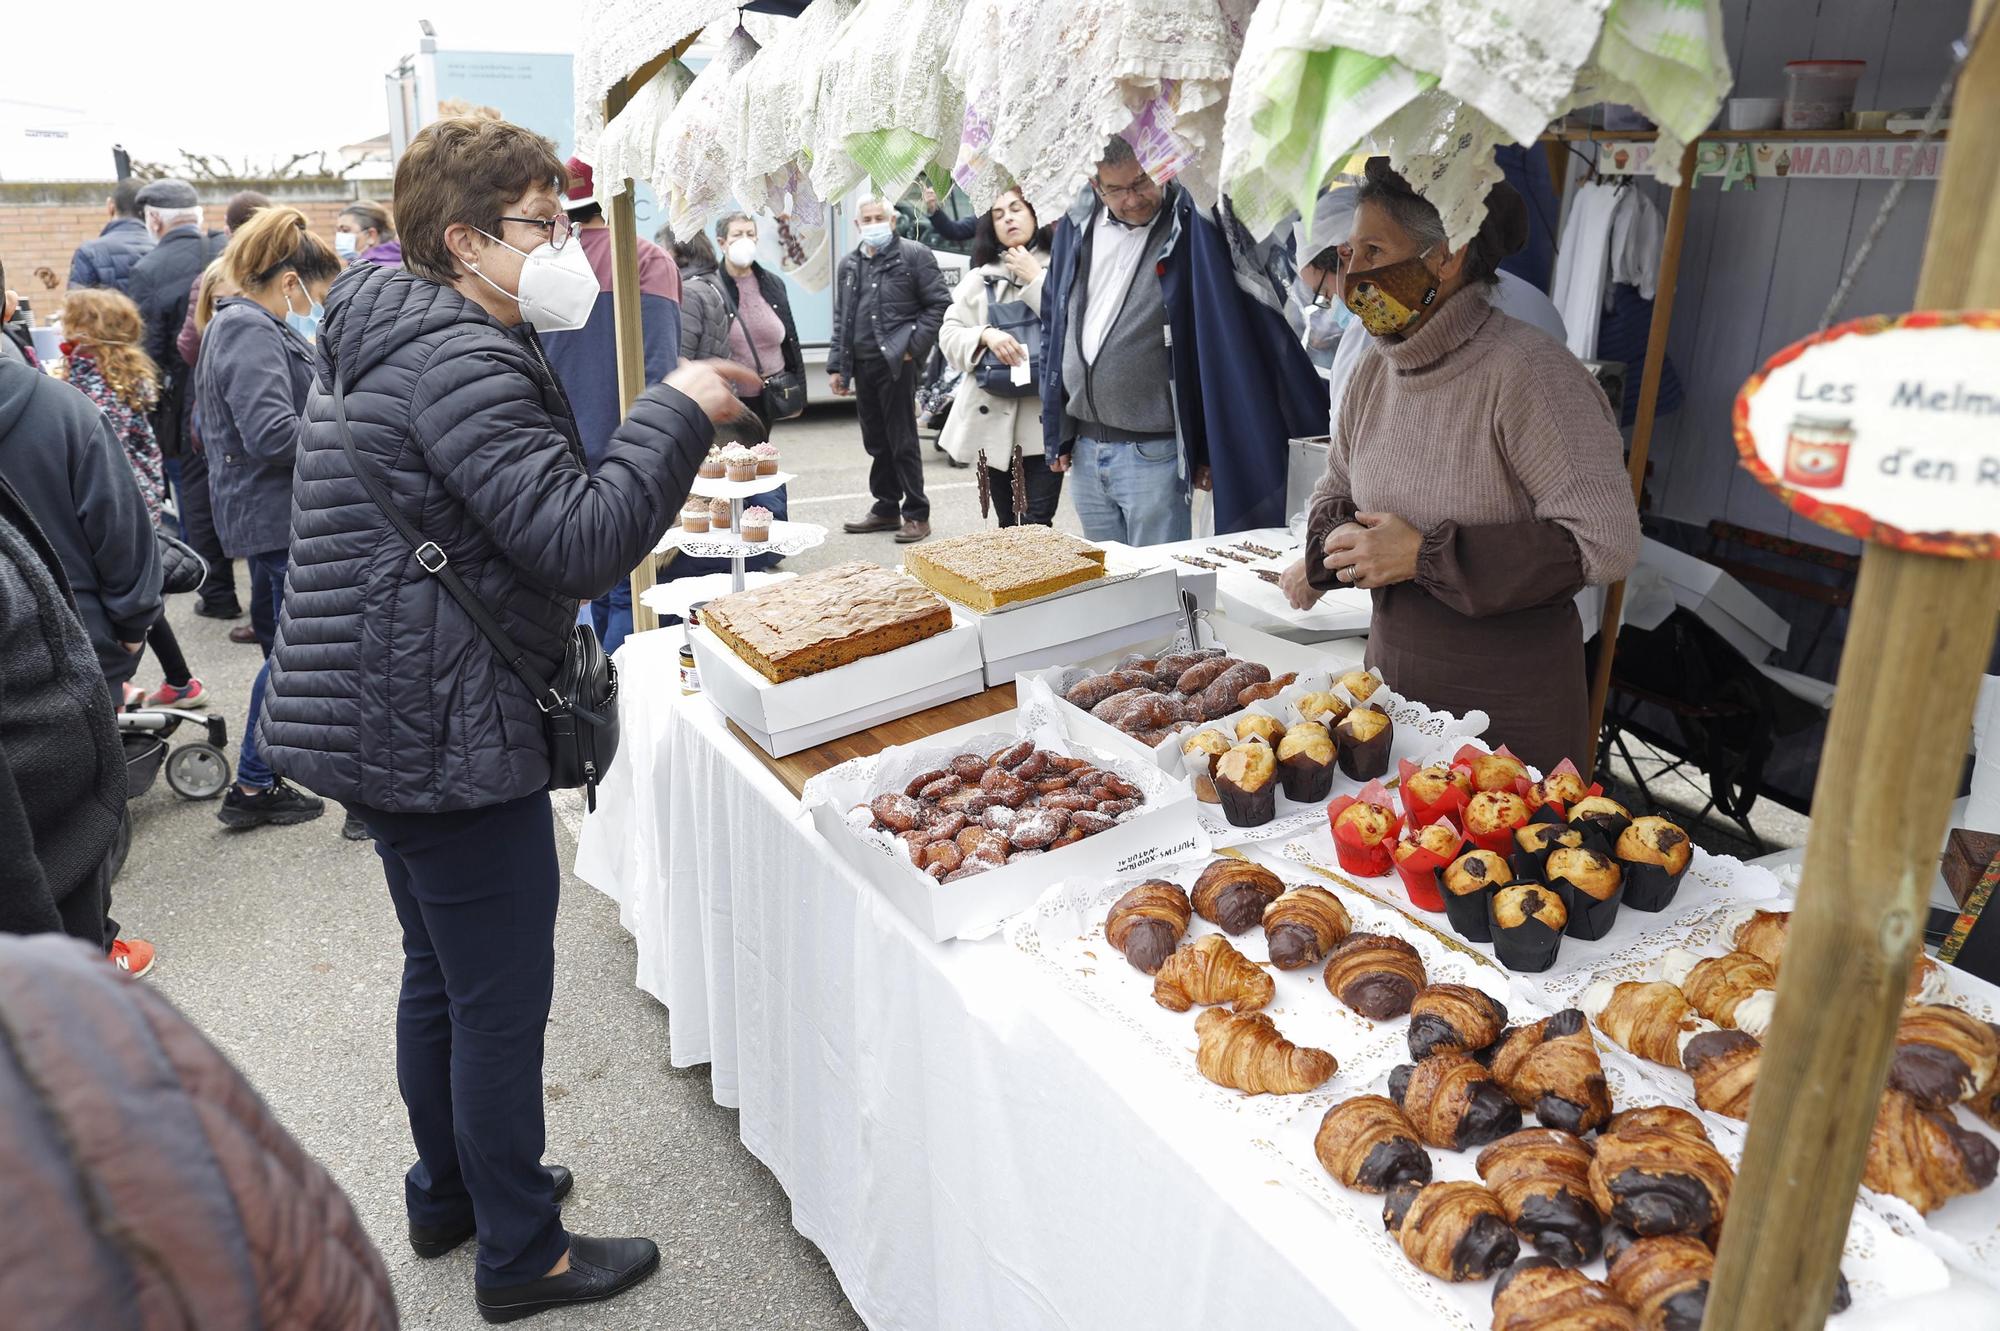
pixel 1209 971
pixel 1246 1052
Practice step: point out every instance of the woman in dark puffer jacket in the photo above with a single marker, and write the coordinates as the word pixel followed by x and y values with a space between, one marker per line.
pixel 384 695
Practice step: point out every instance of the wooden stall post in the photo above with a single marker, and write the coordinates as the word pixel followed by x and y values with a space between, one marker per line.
pixel 1642 432
pixel 1918 638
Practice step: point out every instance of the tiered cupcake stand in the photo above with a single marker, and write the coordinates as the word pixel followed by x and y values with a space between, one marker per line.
pixel 787 538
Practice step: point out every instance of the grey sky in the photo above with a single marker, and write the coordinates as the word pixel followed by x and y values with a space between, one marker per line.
pixel 264 78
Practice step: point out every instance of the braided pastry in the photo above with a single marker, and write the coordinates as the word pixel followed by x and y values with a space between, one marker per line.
pixel 1232 894
pixel 1148 923
pixel 1942 1055
pixel 1454 1016
pixel 1656 1172
pixel 1664 1280
pixel 1454 1231
pixel 1304 925
pixel 1542 1178
pixel 1724 1067
pixel 1552 1068
pixel 1377 975
pixel 1247 1053
pixel 1209 971
pixel 1534 1294
pixel 1648 1018
pixel 1924 1157
pixel 1453 1101
pixel 1368 1144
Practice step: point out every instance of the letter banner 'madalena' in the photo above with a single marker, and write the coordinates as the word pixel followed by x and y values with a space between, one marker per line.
pixel 1885 429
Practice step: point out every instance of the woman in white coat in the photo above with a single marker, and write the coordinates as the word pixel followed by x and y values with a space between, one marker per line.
pixel 1010 254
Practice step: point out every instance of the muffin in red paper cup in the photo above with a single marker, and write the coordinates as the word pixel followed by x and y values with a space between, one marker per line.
pixel 1434 792
pixel 1591 885
pixel 1498 770
pixel 1421 853
pixel 1552 796
pixel 1364 831
pixel 1491 817
pixel 1602 818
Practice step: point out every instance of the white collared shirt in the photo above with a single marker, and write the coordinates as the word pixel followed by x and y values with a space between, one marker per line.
pixel 1116 251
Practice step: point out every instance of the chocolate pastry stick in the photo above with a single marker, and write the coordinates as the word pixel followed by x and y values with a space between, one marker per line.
pixel 1017 470
pixel 985 480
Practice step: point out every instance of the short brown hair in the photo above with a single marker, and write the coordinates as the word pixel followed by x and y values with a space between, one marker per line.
pixel 464 169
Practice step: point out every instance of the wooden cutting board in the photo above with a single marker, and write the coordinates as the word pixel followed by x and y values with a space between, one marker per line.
pixel 798 768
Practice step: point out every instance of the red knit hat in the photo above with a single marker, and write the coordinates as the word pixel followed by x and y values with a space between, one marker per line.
pixel 582 185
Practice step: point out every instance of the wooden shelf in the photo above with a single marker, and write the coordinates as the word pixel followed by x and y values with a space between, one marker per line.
pixel 1738 135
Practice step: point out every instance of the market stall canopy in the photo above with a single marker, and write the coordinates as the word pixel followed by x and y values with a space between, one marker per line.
pixel 884 114
pixel 1439 85
pixel 618 38
pixel 634 145
pixel 695 150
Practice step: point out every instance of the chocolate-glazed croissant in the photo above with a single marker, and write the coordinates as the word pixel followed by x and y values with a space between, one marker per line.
pixel 1454 1016
pixel 1651 1019
pixel 1148 923
pixel 1247 1053
pixel 1664 1280
pixel 1724 1067
pixel 1455 1231
pixel 1552 1068
pixel 1369 1144
pixel 1924 1157
pixel 1942 1055
pixel 1209 971
pixel 1377 975
pixel 1232 894
pixel 1542 1178
pixel 1656 1172
pixel 1535 1294
pixel 1453 1101
pixel 1304 925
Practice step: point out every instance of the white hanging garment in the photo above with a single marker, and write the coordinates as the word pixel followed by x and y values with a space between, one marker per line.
pixel 1583 265
pixel 1636 237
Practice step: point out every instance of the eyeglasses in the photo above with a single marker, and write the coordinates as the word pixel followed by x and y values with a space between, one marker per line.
pixel 1144 185
pixel 558 228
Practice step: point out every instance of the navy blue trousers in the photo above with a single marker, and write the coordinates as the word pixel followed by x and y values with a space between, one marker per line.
pixel 476 892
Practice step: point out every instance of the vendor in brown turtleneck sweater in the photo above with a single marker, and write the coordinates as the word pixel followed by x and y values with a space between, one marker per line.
pixel 1475 483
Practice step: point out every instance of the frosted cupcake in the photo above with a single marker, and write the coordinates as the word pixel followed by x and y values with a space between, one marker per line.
pixel 718 514
pixel 767 459
pixel 694 515
pixel 756 524
pixel 711 467
pixel 737 464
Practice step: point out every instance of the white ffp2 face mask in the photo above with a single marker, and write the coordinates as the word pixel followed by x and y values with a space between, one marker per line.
pixel 558 288
pixel 742 252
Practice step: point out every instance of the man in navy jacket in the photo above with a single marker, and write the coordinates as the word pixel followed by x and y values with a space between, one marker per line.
pixel 107 259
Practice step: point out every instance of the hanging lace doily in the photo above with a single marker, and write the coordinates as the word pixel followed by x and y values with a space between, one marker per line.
pixel 883 109
pixel 693 150
pixel 630 146
pixel 775 102
pixel 615 38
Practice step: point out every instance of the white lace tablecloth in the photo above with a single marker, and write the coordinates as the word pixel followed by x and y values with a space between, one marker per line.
pixel 969 1144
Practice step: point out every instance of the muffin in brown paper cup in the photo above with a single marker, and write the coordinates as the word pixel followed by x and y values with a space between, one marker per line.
pixel 1602 817
pixel 1656 854
pixel 1591 912
pixel 1365 736
pixel 1306 763
pixel 1468 910
pixel 1246 781
pixel 1529 861
pixel 1527 922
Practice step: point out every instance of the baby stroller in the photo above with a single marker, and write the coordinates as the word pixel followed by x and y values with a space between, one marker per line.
pixel 198 770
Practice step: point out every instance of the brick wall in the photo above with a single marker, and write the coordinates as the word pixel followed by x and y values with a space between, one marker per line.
pixel 42 224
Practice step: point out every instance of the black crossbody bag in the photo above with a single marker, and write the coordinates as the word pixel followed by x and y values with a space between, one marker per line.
pixel 579 707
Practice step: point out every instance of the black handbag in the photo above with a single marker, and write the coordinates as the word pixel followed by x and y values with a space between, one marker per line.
pixel 182 569
pixel 579 707
pixel 784 394
pixel 1014 318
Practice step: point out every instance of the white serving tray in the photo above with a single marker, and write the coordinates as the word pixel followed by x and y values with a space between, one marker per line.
pixel 720 489
pixel 787 538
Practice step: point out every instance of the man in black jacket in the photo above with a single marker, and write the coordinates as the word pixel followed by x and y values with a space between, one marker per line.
pixel 107 259
pixel 159 286
pixel 62 769
pixel 888 300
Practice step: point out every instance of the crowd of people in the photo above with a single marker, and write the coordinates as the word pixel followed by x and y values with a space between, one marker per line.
pixel 412 434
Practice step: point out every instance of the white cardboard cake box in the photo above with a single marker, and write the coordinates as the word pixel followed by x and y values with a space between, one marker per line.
pixel 1752 626
pixel 1165 831
pixel 799 713
pixel 1083 620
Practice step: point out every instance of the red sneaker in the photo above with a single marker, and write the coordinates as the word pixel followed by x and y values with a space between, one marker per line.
pixel 134 956
pixel 190 694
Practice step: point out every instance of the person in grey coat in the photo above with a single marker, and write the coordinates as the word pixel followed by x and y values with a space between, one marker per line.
pixel 255 365
pixel 704 311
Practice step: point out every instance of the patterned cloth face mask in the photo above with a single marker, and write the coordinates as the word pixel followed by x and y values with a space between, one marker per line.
pixel 1391 299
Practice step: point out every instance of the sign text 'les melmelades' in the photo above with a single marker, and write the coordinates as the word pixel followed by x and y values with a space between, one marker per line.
pixel 1886 429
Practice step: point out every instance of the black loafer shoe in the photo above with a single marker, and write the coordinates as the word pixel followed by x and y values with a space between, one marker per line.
pixel 437 1240
pixel 599 1269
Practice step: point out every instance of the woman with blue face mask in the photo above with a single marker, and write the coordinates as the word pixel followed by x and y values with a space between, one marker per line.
pixel 255 369
pixel 366 233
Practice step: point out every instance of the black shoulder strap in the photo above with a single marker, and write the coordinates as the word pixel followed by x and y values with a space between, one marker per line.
pixel 434 561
